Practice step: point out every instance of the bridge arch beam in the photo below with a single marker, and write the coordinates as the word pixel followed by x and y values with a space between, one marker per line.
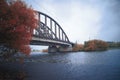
pixel 50 33
pixel 49 28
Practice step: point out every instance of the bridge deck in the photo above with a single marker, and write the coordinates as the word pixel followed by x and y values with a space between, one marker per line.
pixel 40 41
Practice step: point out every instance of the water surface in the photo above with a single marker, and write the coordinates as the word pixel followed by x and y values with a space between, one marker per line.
pixel 72 66
pixel 76 66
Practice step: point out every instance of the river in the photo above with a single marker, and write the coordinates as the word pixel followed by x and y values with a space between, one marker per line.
pixel 72 66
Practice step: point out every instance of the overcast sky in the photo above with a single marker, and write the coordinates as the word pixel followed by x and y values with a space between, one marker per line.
pixel 84 19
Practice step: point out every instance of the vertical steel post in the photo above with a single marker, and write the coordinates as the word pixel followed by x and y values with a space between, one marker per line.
pixel 62 35
pixel 51 28
pixel 59 33
pixel 38 17
pixel 50 24
pixel 46 20
pixel 46 25
pixel 55 30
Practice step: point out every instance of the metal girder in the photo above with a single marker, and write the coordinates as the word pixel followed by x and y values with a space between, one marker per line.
pixel 48 28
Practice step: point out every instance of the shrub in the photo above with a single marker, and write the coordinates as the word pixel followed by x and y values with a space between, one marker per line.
pixel 95 45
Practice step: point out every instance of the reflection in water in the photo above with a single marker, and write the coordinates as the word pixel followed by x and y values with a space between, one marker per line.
pixel 50 58
pixel 7 75
pixel 67 66
pixel 77 58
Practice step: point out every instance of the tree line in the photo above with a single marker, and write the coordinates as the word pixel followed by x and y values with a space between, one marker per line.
pixel 91 45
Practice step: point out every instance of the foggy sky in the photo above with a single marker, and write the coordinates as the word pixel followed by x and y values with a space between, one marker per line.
pixel 84 19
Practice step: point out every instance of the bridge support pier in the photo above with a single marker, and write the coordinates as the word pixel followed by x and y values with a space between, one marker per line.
pixel 52 49
pixel 65 48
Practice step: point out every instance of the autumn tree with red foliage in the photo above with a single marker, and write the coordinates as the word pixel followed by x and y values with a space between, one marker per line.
pixel 77 47
pixel 95 45
pixel 17 22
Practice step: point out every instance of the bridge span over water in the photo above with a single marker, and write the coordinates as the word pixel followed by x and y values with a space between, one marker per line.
pixel 50 33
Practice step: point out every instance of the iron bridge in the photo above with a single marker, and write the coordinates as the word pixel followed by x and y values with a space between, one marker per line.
pixel 49 32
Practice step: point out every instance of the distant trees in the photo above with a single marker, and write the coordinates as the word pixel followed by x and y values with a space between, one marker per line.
pixel 78 47
pixel 91 45
pixel 45 50
pixel 114 44
pixel 17 22
pixel 95 45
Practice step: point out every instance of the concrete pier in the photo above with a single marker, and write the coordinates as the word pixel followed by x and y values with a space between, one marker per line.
pixel 54 49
